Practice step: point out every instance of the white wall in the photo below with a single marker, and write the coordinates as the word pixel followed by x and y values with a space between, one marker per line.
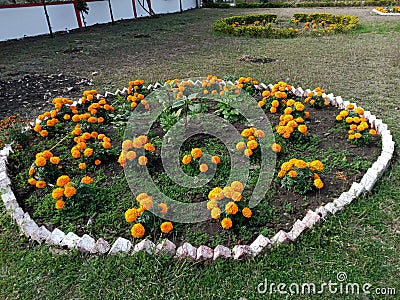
pixel 17 22
pixel 62 17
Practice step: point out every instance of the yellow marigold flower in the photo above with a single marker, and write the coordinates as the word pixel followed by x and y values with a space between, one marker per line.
pixel 231 208
pixel 359 111
pixel 82 166
pixel 287 166
pixel 60 204
pixel 87 180
pixel 266 93
pixel 166 227
pixel 214 194
pixel 301 164
pixel 143 160
pixel 137 230
pixel 302 128
pixel 351 137
pixel 55 160
pixel 137 143
pixel 288 111
pixel 299 120
pixel 252 144
pixel 212 204
pixel 228 191
pixel 143 139
pixel 236 196
pixel 163 208
pixel 40 161
pixel 32 181
pixel 281 174
pixel 141 196
pixel 226 223
pixel 203 168
pixel 40 184
pixel 196 152
pixel 357 135
pixel 339 118
pixel 248 152
pixel 299 106
pixel 88 152
pixel 186 159
pixel 69 191
pixel 261 103
pixel 247 132
pixel 57 193
pixel 240 146
pixel 356 120
pixel 215 213
pixel 372 132
pixel 258 133
pixel 246 212
pixel 292 174
pixel 350 107
pixel 316 165
pixel 63 180
pixel 131 215
pixel 215 159
pixel 290 102
pixel 353 126
pixel 275 103
pixel 237 186
pixel 318 183
pixel 349 120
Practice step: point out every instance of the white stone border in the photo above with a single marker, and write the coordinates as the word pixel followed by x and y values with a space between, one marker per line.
pixel 384 14
pixel 88 244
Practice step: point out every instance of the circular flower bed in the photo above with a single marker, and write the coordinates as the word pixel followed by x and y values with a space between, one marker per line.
pixel 387 11
pixel 268 25
pixel 75 157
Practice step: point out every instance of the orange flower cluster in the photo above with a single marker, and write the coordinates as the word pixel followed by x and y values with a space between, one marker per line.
pixel 196 153
pixel 299 175
pixel 136 94
pixel 232 194
pixel 11 130
pixel 129 154
pixel 145 203
pixel 45 165
pixel 276 97
pixel 316 99
pixel 359 131
pixel 252 136
pixel 291 122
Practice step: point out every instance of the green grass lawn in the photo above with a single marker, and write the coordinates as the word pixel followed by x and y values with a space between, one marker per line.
pixel 362 241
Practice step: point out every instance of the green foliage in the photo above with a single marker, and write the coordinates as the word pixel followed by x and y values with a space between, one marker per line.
pixel 273 4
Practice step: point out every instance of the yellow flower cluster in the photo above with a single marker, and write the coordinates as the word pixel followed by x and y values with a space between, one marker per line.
pixel 251 135
pixel 233 195
pixel 129 154
pixel 292 120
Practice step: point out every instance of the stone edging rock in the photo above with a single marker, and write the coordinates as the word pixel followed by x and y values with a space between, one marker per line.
pixel 88 244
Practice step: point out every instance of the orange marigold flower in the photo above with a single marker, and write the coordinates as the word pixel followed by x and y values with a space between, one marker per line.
pixel 259 133
pixel 316 165
pixel 166 227
pixel 87 180
pixel 141 196
pixel 137 230
pixel 88 152
pixel 40 161
pixel 292 174
pixel 32 181
pixel 237 186
pixel 55 160
pixel 187 159
pixel 236 196
pixel 69 191
pixel 63 180
pixel 106 145
pixel 131 215
pixel 44 133
pixel 357 135
pixel 240 146
pixel 212 204
pixel 215 213
pixel 143 160
pixel 246 212
pixel 203 168
pixel 215 193
pixel 301 164
pixel 97 162
pixel 40 184
pixel 82 166
pixel 273 110
pixel 131 155
pixel 302 128
pixel 31 171
pixel 163 208
pixel 57 193
pixel 276 147
pixel 215 159
pixel 149 147
pixel 231 208
pixel 59 204
pixel 248 152
pixel 372 132
pixel 252 144
pixel 196 152
pixel 47 154
pixel 247 132
pixel 226 223
pixel 147 203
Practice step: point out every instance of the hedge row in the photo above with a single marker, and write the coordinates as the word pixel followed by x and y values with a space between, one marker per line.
pixel 343 23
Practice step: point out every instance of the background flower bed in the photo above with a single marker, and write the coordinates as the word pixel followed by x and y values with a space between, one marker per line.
pixel 102 212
